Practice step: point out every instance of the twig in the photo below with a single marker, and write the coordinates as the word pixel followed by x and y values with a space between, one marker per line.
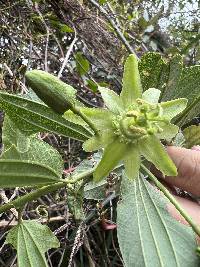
pixel 68 54
pixel 115 27
pixel 8 69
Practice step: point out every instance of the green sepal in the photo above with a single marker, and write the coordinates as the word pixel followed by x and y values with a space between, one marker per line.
pixel 112 100
pixel 151 95
pixel 97 142
pixel 173 107
pixel 153 151
pixel 169 131
pixel 132 163
pixel 113 153
pixel 132 87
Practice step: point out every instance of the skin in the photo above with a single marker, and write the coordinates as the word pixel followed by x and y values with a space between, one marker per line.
pixel 187 162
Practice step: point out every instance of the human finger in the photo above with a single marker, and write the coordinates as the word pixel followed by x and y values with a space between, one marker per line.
pixel 187 162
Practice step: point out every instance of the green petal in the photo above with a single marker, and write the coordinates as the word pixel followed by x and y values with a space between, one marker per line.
pixel 132 163
pixel 97 142
pixel 153 151
pixel 101 117
pixel 111 100
pixel 173 107
pixel 151 95
pixel 132 87
pixel 113 153
pixel 169 131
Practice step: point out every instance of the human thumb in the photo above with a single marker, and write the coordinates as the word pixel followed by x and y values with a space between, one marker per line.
pixel 187 162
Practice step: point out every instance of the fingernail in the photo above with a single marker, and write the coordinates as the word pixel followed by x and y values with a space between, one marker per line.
pixel 197 148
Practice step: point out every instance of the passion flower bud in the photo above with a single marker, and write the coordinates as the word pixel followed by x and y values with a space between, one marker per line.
pixel 52 91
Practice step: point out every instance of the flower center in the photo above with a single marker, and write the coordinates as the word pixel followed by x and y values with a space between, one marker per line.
pixel 141 120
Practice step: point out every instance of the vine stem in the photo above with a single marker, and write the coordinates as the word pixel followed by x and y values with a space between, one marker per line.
pixel 21 201
pixel 172 199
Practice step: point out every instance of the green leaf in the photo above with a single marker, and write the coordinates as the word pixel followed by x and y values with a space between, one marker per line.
pixel 175 71
pixel 151 95
pixel 92 85
pixel 21 173
pixel 65 28
pixel 27 161
pixel 33 117
pixel 97 142
pixel 82 64
pixel 189 86
pixel 113 153
pixel 132 88
pixel 132 163
pixel 112 101
pixel 173 108
pixel 153 151
pixel 192 136
pixel 147 234
pixel 31 240
pixel 153 71
pixel 20 147
pixel 95 191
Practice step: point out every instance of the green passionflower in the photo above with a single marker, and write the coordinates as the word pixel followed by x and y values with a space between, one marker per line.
pixel 132 126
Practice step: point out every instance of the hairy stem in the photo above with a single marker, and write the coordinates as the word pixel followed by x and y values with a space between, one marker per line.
pixel 172 199
pixel 21 201
pixel 78 112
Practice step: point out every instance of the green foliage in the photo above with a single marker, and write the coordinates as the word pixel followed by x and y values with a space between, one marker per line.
pixel 26 160
pixel 33 117
pixel 92 85
pixel 192 136
pixel 31 240
pixel 153 71
pixel 174 80
pixel 82 64
pixel 148 236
